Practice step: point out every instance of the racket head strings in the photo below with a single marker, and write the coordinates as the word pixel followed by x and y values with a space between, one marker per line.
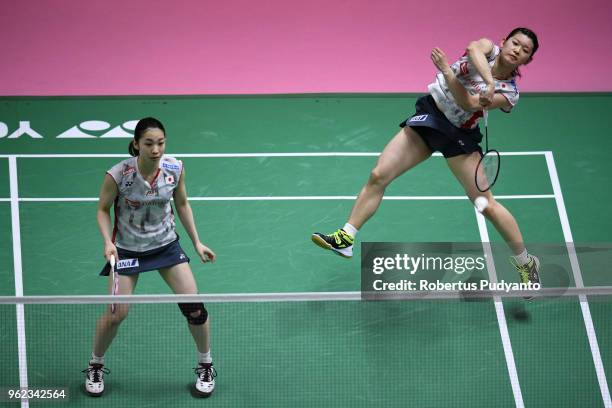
pixel 487 170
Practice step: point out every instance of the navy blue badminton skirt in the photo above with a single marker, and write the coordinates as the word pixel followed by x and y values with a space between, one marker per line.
pixel 438 133
pixel 132 263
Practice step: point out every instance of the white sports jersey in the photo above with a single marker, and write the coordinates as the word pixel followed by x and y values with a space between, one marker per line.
pixel 143 214
pixel 472 81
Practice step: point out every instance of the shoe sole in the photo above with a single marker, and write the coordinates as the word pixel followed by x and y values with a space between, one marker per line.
pixel 94 394
pixel 321 242
pixel 203 394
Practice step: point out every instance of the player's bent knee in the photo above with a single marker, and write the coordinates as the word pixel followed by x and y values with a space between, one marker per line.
pixel 378 177
pixel 119 315
pixel 195 313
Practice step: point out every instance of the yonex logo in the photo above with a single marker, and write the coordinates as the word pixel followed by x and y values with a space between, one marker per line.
pixel 419 118
pixel 24 129
pixel 182 256
pixel 89 129
pixel 170 166
pixel 127 263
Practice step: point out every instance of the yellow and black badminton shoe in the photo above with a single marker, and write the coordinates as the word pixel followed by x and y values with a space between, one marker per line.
pixel 339 241
pixel 529 272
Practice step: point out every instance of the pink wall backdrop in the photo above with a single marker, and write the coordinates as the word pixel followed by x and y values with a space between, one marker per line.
pixel 111 47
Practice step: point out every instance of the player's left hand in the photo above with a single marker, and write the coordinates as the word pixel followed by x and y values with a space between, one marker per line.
pixel 205 253
pixel 439 59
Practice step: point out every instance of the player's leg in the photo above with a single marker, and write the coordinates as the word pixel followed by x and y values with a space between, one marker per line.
pixel 464 167
pixel 180 279
pixel 403 152
pixel 106 330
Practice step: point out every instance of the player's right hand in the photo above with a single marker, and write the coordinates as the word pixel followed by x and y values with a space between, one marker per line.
pixel 486 96
pixel 110 249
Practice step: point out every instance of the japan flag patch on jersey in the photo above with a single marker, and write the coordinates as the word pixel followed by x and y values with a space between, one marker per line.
pixel 169 179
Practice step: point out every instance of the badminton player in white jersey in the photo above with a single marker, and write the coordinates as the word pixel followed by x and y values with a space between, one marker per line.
pixel 144 239
pixel 446 120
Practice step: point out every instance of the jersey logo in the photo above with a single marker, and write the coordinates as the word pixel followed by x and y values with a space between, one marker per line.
pixel 133 204
pixel 152 193
pixel 128 169
pixel 169 179
pixel 170 166
pixel 418 118
pixel 127 263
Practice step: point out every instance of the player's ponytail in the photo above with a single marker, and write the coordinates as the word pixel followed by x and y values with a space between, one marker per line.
pixel 141 127
pixel 132 150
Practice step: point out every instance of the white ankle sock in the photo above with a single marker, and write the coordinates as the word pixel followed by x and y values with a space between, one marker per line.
pixel 348 228
pixel 204 357
pixel 522 258
pixel 96 360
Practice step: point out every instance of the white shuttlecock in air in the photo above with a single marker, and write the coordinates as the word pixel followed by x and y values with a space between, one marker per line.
pixel 481 203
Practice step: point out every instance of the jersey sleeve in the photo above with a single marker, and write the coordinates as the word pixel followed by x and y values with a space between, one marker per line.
pixel 122 170
pixel 510 91
pixel 172 170
pixel 116 172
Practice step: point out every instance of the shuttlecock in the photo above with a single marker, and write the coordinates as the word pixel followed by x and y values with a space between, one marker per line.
pixel 481 203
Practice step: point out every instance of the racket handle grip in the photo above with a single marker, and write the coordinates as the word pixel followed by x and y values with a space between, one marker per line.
pixel 111 260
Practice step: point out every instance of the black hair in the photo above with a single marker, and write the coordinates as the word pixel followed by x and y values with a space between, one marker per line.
pixel 141 127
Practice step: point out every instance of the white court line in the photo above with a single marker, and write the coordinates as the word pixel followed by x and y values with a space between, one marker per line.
pixel 416 295
pixel 499 311
pixel 296 198
pixel 584 304
pixel 21 338
pixel 231 155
